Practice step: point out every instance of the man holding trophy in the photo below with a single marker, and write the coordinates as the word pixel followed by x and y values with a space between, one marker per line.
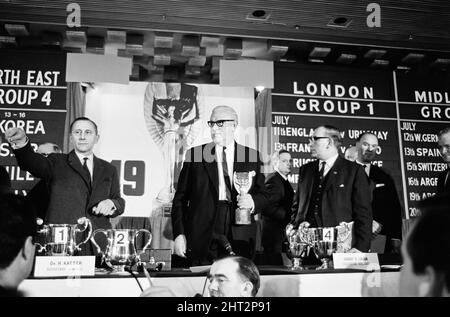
pixel 332 190
pixel 83 188
pixel 219 191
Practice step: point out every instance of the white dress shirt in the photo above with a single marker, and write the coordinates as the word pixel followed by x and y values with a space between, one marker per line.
pixel 366 167
pixel 89 162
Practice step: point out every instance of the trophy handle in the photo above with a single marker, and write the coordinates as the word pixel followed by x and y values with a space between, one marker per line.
pixel 148 242
pixel 99 250
pixel 87 224
pixel 45 231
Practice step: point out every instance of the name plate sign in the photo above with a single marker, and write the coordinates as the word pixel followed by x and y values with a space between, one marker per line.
pixel 52 266
pixel 359 261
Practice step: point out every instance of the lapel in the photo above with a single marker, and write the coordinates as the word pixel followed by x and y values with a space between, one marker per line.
pixel 211 169
pixel 98 170
pixel 75 164
pixel 334 173
pixel 310 175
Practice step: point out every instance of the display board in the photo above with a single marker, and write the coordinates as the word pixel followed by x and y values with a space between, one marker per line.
pixel 401 110
pixel 32 97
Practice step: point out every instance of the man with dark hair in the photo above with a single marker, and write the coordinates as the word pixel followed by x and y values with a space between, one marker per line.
pixel 80 184
pixel 203 209
pixel 17 228
pixel 426 251
pixel 443 185
pixel 332 190
pixel 386 208
pixel 233 276
pixel 278 211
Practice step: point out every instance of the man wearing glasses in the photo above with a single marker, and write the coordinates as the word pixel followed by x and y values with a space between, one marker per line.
pixel 386 209
pixel 203 209
pixel 80 184
pixel 332 190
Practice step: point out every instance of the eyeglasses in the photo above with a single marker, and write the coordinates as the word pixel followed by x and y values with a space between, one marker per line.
pixel 219 123
pixel 315 138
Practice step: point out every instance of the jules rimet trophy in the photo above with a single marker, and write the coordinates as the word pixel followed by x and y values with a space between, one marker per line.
pixel 242 183
pixel 61 239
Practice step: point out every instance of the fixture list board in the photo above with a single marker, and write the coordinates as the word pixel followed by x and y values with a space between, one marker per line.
pixel 424 105
pixel 32 97
pixel 355 102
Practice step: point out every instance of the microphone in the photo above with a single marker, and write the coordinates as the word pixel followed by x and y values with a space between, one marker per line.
pixel 225 243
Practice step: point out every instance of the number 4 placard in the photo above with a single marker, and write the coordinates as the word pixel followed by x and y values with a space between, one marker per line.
pixel 328 234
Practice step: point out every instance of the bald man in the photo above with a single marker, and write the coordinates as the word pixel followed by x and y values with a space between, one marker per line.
pixel 203 209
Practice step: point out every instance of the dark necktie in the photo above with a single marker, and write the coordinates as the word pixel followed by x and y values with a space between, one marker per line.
pixel 226 176
pixel 86 169
pixel 322 170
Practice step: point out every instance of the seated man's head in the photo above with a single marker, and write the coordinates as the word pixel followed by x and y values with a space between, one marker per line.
pixel 17 228
pixel 233 276
pixel 426 253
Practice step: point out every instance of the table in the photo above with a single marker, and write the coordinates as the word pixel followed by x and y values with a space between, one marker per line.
pixel 275 282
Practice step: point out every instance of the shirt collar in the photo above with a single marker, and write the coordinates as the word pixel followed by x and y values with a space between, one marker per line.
pixel 330 161
pixel 82 156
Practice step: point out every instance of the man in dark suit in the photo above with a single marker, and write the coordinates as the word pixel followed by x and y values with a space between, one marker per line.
pixel 38 197
pixel 332 190
pixel 203 209
pixel 277 214
pixel 443 185
pixel 386 208
pixel 80 184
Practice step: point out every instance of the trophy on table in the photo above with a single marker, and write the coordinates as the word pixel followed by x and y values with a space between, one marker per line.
pixel 243 182
pixel 60 239
pixel 121 247
pixel 298 244
pixel 325 244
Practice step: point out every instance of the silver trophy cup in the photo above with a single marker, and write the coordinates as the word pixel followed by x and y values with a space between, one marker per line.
pixel 121 247
pixel 243 183
pixel 60 239
pixel 325 244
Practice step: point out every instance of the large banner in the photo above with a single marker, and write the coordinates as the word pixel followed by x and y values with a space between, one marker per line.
pixel 145 129
pixel 32 97
pixel 403 111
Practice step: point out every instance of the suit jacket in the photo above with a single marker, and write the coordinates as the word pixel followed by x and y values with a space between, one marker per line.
pixel 71 197
pixel 386 206
pixel 346 197
pixel 277 214
pixel 441 187
pixel 196 197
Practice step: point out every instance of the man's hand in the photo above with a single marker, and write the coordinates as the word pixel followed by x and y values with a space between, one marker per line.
pixel 353 250
pixel 16 137
pixel 105 207
pixel 245 201
pixel 180 245
pixel 376 228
